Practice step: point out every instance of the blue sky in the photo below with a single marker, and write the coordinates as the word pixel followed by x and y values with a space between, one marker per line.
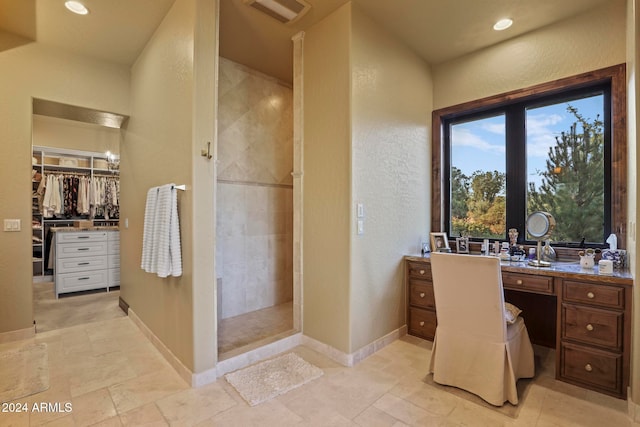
pixel 480 145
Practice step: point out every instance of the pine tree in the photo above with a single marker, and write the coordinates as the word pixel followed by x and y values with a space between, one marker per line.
pixel 572 188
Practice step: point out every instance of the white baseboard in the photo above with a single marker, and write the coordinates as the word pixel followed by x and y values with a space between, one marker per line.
pixel 351 359
pixel 18 335
pixel 264 352
pixel 633 409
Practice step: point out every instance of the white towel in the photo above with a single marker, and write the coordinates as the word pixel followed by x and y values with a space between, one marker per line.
pixel 161 252
pixel 148 230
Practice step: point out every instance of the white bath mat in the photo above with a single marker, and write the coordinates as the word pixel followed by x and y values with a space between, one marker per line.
pixel 23 371
pixel 271 378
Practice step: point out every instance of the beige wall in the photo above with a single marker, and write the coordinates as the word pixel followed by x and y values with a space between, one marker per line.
pixel 327 180
pixel 366 106
pixel 34 70
pixel 391 91
pixel 633 58
pixel 588 42
pixel 60 133
pixel 255 195
pixel 157 151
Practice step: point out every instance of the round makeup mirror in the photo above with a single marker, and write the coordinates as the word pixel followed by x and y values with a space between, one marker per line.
pixel 539 226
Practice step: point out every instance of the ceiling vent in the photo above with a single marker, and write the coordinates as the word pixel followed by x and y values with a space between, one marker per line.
pixel 285 11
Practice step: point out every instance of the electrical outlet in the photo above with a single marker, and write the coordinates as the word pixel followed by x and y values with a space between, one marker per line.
pixel 360 226
pixel 12 225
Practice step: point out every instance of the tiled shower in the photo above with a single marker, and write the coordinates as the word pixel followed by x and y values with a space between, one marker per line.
pixel 255 192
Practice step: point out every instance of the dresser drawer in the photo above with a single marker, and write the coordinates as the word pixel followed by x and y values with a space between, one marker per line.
pixel 593 293
pixel 71 265
pixel 422 323
pixel 419 269
pixel 592 325
pixel 73 282
pixel 539 284
pixel 113 261
pixel 81 249
pixel 113 277
pixel 421 294
pixel 592 367
pixel 81 236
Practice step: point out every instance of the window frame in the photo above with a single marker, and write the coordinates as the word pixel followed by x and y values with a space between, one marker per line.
pixel 614 77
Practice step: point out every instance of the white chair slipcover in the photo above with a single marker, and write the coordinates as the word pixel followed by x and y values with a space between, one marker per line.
pixel 474 349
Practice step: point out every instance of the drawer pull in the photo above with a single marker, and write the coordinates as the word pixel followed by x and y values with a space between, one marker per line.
pixel 83 278
pixel 421 294
pixel 589 327
pixel 421 271
pixel 83 249
pixel 588 367
pixel 519 282
pixel 590 295
pixel 422 323
pixel 84 263
pixel 83 237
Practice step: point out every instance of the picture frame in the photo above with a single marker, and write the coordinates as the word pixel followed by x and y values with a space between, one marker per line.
pixel 462 245
pixel 439 242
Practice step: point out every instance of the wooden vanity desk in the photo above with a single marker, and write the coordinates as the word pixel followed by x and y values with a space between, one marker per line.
pixel 584 315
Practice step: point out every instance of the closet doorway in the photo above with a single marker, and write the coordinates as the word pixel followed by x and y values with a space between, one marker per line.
pixel 81 156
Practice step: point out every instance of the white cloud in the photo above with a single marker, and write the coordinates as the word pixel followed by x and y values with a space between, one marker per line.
pixel 466 138
pixel 540 135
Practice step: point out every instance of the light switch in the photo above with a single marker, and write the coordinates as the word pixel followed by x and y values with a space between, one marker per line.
pixel 11 225
pixel 360 210
pixel 360 226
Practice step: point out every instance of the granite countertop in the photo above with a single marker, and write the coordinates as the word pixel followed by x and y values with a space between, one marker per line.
pixel 94 228
pixel 566 269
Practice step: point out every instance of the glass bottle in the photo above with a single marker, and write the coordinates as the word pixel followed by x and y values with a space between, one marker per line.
pixel 548 253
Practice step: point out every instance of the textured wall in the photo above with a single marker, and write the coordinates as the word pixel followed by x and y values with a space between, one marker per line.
pixel 156 151
pixel 587 42
pixel 633 58
pixel 391 93
pixel 60 133
pixel 327 180
pixel 34 70
pixel 254 203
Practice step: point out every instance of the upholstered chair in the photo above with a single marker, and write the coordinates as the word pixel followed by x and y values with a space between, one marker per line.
pixel 474 348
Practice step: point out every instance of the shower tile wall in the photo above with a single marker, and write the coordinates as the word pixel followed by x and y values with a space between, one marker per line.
pixel 254 200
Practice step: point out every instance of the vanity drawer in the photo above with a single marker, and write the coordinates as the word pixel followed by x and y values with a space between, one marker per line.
pixel 419 269
pixel 70 265
pixel 539 284
pixel 80 236
pixel 593 293
pixel 592 325
pixel 81 249
pixel 422 323
pixel 421 294
pixel 596 368
pixel 73 282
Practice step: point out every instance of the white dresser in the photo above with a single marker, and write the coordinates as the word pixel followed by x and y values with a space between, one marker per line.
pixel 86 259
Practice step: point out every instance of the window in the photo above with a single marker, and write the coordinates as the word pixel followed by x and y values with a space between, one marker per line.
pixel 558 147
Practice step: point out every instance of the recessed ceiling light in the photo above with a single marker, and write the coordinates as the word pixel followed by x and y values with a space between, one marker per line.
pixel 502 24
pixel 76 7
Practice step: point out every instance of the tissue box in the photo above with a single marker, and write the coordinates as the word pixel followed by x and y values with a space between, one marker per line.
pixel 618 256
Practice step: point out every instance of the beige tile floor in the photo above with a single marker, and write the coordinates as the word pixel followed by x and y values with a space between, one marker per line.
pixel 72 309
pixel 113 376
pixel 241 333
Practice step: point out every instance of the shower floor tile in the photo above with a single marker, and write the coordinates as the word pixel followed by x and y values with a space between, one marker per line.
pixel 249 328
